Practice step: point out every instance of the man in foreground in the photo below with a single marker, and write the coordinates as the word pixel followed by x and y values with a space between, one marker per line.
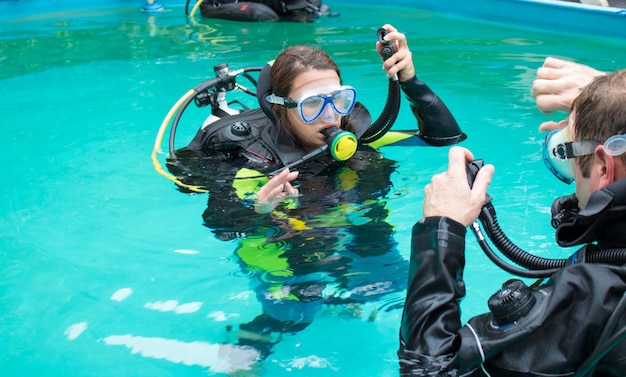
pixel 573 322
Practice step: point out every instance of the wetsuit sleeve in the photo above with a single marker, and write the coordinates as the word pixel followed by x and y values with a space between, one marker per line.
pixel 431 317
pixel 436 124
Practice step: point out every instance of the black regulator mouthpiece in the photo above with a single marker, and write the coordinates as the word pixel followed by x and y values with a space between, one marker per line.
pixel 386 50
pixel 564 210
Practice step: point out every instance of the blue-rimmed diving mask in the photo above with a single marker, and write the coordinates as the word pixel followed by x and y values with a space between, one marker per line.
pixel 313 106
pixel 558 152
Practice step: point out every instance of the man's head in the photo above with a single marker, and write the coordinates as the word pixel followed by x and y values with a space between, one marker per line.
pixel 598 113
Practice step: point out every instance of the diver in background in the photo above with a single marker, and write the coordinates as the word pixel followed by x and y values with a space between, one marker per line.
pixel 316 235
pixel 265 10
pixel 571 325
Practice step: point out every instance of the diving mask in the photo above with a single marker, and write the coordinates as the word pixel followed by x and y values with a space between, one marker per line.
pixel 558 152
pixel 312 106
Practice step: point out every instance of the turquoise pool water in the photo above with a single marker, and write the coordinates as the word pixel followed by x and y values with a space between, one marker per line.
pixel 106 269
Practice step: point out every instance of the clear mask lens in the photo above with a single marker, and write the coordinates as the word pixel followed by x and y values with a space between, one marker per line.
pixel 313 107
pixel 558 152
pixel 555 155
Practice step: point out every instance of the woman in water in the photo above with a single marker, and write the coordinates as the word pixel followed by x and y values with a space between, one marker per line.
pixel 315 231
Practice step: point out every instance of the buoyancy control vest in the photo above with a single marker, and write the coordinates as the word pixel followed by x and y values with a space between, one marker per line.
pixel 253 135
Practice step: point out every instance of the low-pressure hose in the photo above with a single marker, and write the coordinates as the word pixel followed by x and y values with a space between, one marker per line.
pixel 533 266
pixel 388 116
pixel 392 107
pixel 513 252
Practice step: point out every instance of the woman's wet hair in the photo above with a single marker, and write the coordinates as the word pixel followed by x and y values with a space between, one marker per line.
pixel 289 64
pixel 600 113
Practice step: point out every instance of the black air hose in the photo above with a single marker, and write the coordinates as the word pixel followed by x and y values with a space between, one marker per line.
pixel 388 116
pixel 525 259
pixel 610 256
pixel 537 267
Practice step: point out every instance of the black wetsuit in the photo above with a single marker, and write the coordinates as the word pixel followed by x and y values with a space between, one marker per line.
pixel 560 332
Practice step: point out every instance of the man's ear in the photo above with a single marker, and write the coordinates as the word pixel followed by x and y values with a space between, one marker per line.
pixel 605 165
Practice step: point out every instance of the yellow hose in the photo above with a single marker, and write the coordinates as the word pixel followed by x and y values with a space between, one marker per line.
pixel 159 139
pixel 194 9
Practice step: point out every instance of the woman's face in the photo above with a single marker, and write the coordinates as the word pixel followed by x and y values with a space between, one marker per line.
pixel 313 82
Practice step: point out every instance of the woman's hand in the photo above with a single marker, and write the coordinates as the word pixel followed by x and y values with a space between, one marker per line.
pixel 275 191
pixel 401 62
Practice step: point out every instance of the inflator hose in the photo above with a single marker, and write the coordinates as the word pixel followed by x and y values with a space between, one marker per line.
pixel 388 116
pixel 534 267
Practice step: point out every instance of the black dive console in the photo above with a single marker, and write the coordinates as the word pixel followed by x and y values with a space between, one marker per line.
pixel 564 216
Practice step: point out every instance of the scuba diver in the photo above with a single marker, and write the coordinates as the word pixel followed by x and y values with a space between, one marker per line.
pixel 299 184
pixel 264 10
pixel 573 324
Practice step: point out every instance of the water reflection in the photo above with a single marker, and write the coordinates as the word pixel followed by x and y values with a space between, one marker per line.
pixel 218 358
